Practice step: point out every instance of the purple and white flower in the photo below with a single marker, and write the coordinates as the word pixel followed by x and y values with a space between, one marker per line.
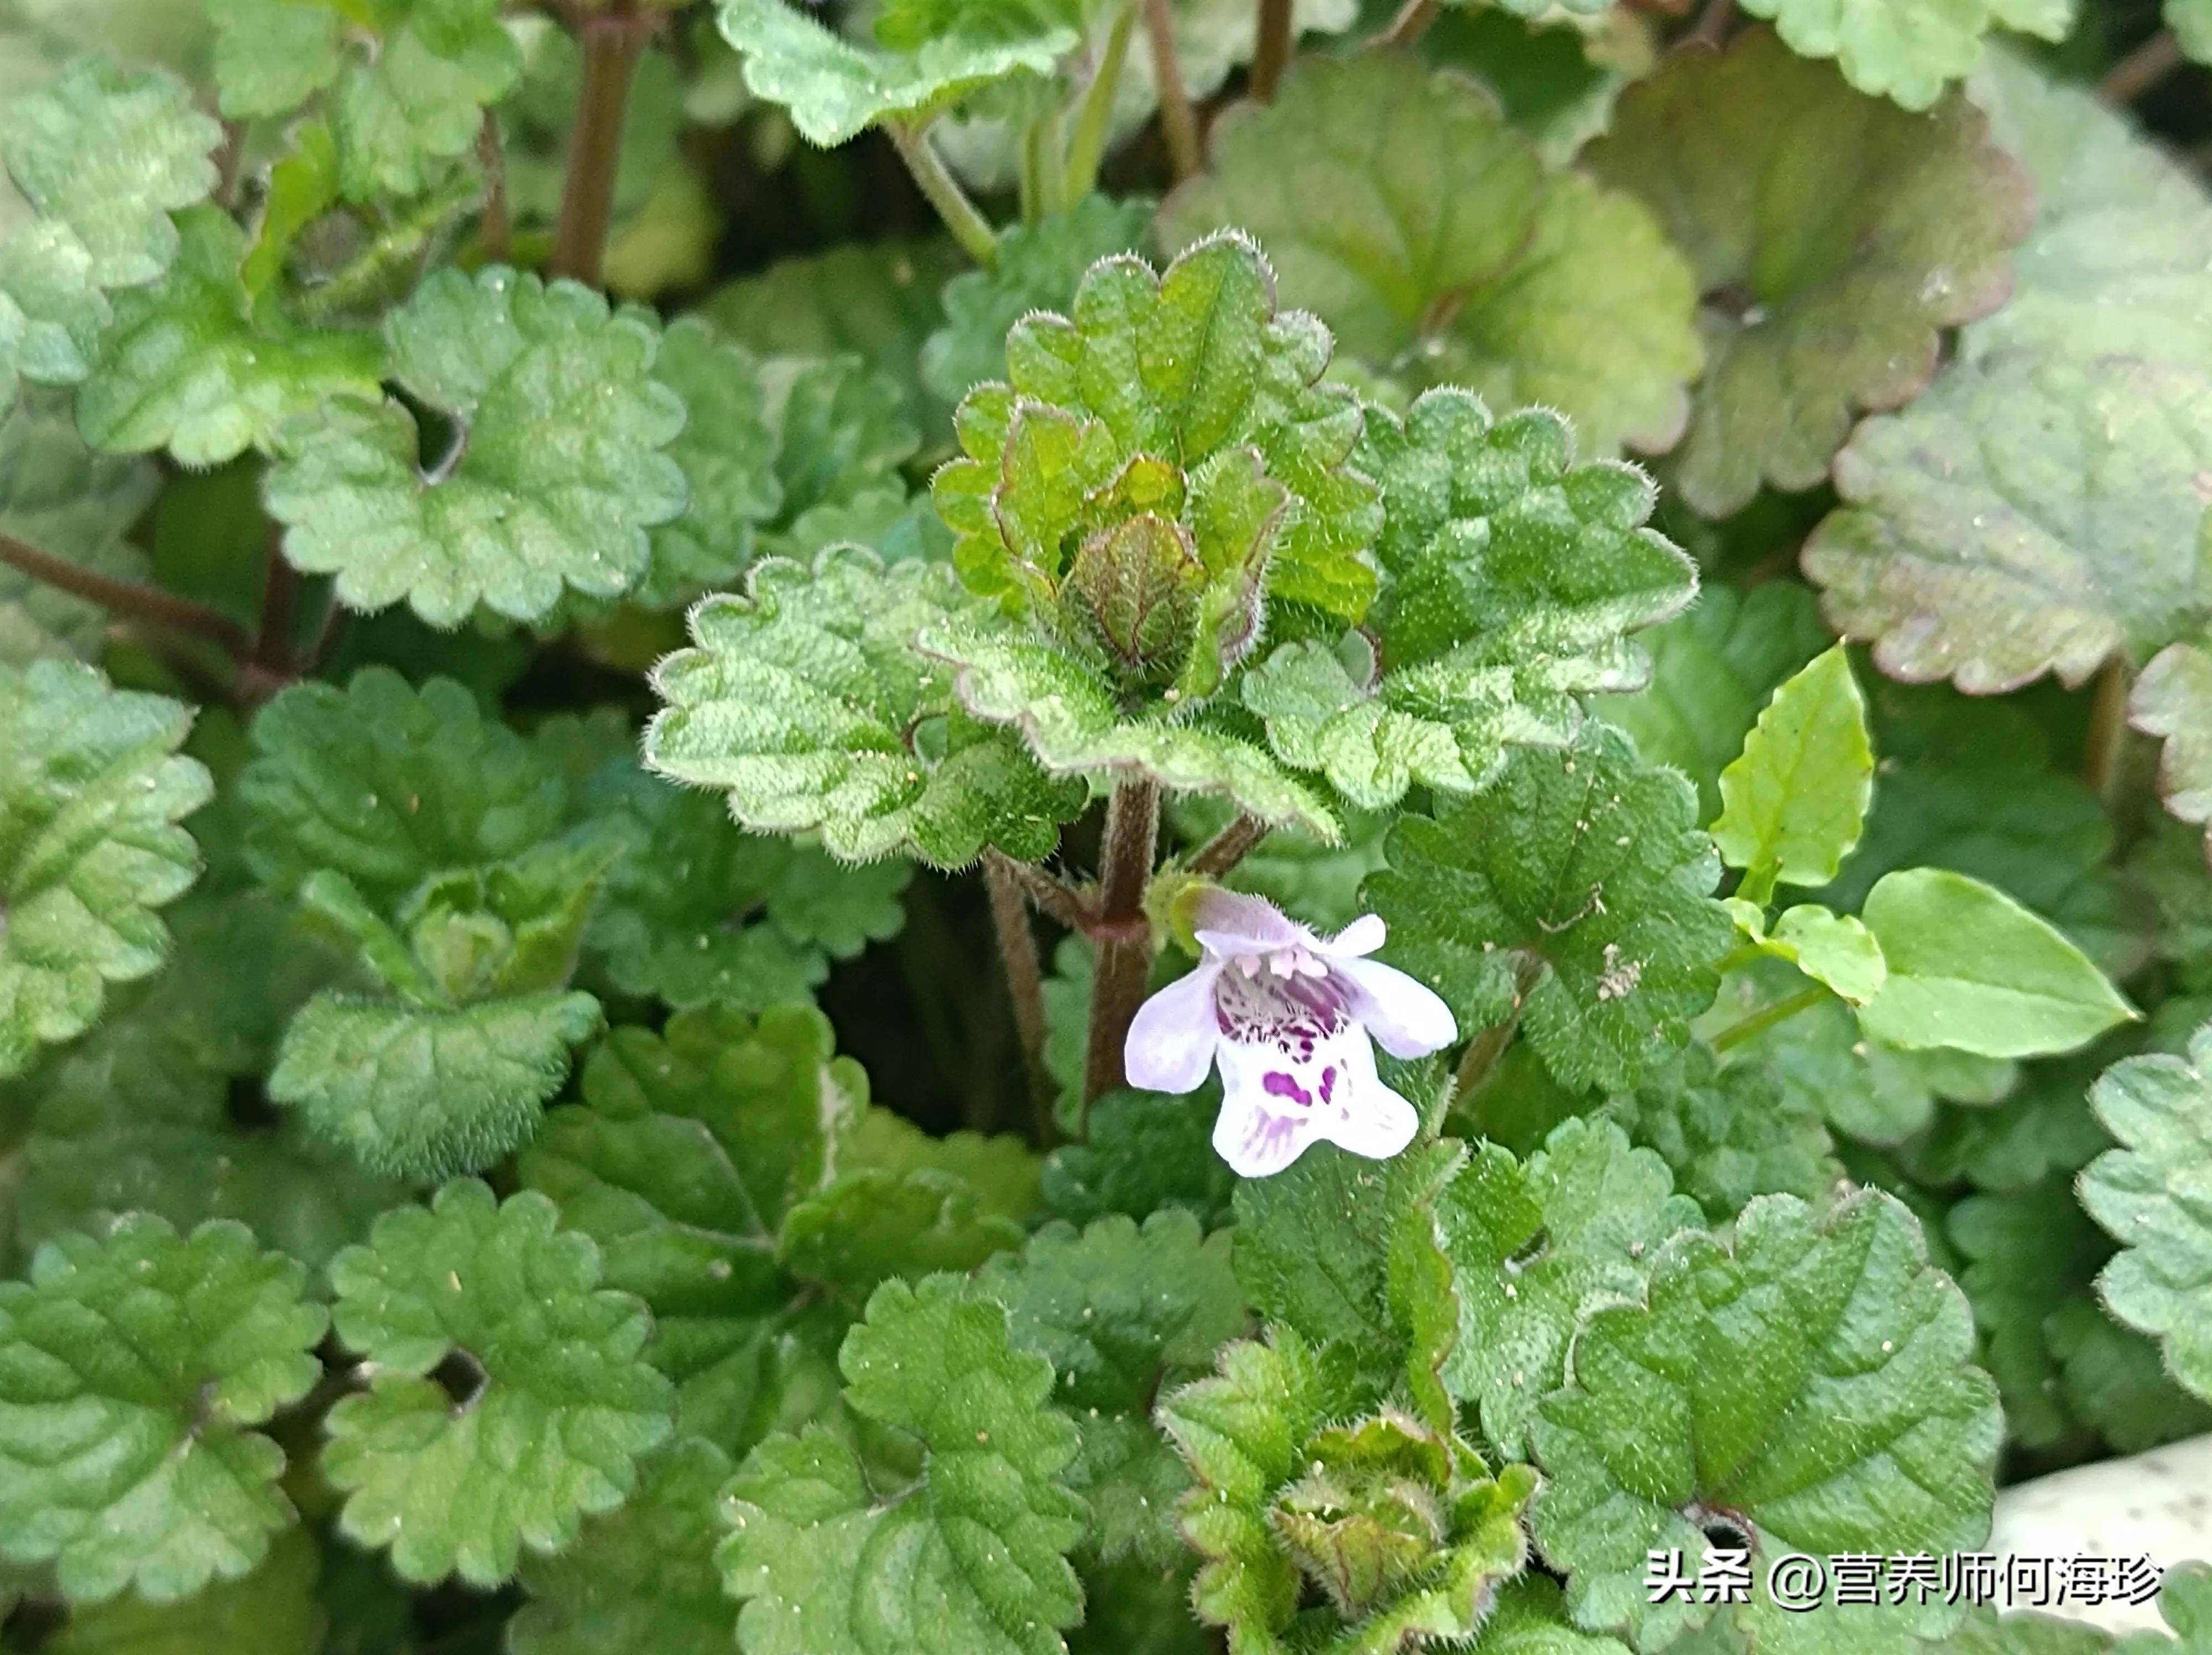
pixel 1287 1014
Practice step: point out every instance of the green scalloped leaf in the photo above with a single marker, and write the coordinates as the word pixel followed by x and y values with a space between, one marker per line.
pixel 1581 869
pixel 1512 579
pixel 2027 516
pixel 2172 701
pixel 386 784
pixel 1810 1380
pixel 2027 1253
pixel 1730 1133
pixel 563 1407
pixel 146 1472
pixel 1147 1153
pixel 103 157
pixel 193 366
pixel 689 1150
pixel 92 788
pixel 1039 267
pixel 807 701
pixel 416 102
pixel 1164 472
pixel 2116 263
pixel 1535 1243
pixel 959 1542
pixel 1068 716
pixel 2149 1194
pixel 2114 1379
pixel 271 56
pixel 727 450
pixel 642 1577
pixel 1399 205
pixel 1907 51
pixel 1119 1311
pixel 557 467
pixel 274 1610
pixel 841 434
pixel 1826 288
pixel 836 89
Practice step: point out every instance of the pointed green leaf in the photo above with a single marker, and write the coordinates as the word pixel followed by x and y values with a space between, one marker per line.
pixel 642 1577
pixel 91 791
pixel 2149 1194
pixel 1581 867
pixel 1793 804
pixel 563 1404
pixel 1713 667
pixel 103 157
pixel 1511 577
pixel 190 367
pixel 1400 206
pixel 1809 1381
pixel 1835 949
pixel 1970 969
pixel 1533 1244
pixel 836 89
pixel 556 468
pixel 971 1555
pixel 130 1460
pixel 1826 290
pixel 806 701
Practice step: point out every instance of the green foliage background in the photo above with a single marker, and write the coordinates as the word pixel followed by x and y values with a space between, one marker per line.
pixel 625 624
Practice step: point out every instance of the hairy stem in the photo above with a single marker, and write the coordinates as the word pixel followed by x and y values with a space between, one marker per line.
pixel 1767 1016
pixel 2142 68
pixel 1122 934
pixel 1411 23
pixel 969 228
pixel 1051 898
pixel 497 233
pixel 1483 1051
pixel 2102 755
pixel 1178 120
pixel 1017 953
pixel 1228 847
pixel 276 641
pixel 613 42
pixel 143 603
pixel 1714 22
pixel 1271 56
pixel 1094 117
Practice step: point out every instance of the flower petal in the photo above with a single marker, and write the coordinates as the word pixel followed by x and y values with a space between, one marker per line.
pixel 1171 1039
pixel 1404 1013
pixel 1279 1095
pixel 1229 922
pixel 1363 936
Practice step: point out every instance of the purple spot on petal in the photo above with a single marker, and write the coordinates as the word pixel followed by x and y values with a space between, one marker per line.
pixel 1279 1085
pixel 1327 1082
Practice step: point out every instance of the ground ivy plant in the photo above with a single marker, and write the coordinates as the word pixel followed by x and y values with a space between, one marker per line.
pixel 1002 827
